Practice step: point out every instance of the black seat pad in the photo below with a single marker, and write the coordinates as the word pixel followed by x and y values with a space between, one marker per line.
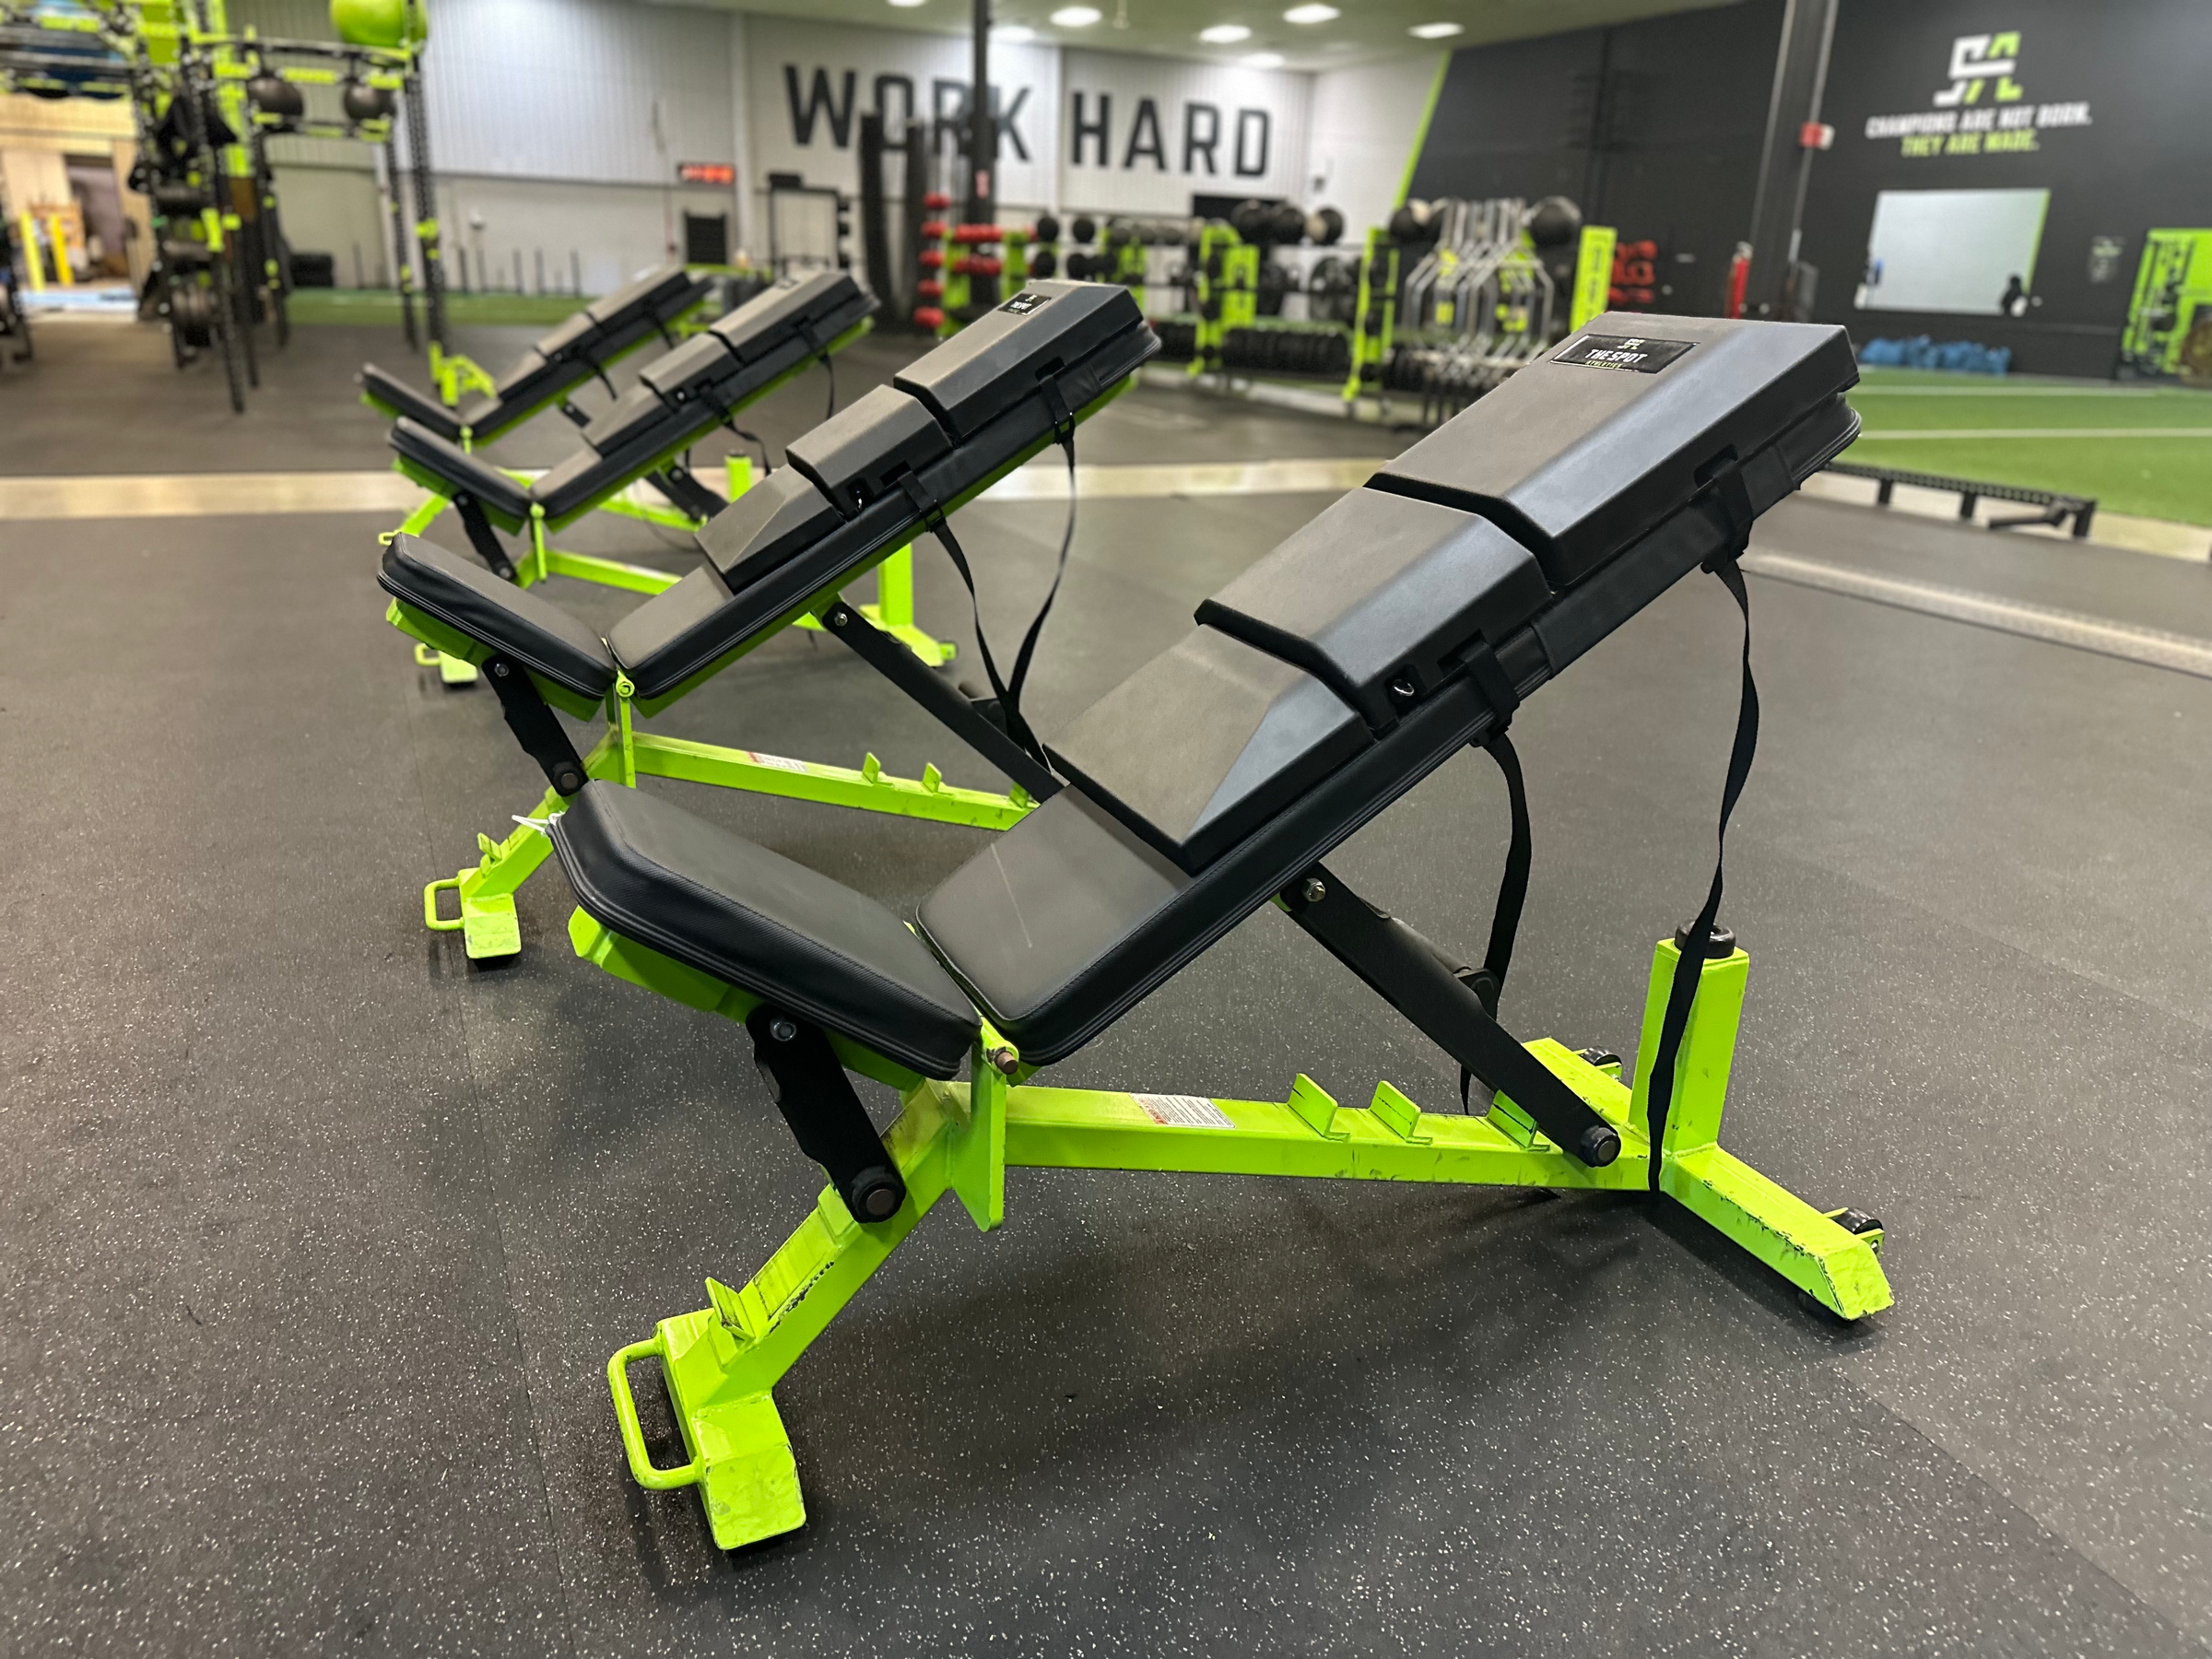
pixel 459 469
pixel 715 901
pixel 461 593
pixel 418 406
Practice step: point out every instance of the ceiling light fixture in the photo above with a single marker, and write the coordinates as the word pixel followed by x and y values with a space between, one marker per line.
pixel 1225 34
pixel 1435 31
pixel 1006 34
pixel 1077 16
pixel 904 5
pixel 1312 14
pixel 1261 60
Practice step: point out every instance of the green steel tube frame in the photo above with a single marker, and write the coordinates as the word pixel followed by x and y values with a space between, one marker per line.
pixel 722 1362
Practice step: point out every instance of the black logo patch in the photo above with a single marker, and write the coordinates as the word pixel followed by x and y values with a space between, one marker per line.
pixel 1023 303
pixel 1632 352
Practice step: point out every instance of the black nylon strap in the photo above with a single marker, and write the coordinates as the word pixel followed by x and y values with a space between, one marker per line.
pixel 1065 425
pixel 1007 689
pixel 1488 982
pixel 933 517
pixel 1683 990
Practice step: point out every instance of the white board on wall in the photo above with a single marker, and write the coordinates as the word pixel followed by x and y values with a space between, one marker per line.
pixel 1144 135
pixel 1951 250
pixel 810 83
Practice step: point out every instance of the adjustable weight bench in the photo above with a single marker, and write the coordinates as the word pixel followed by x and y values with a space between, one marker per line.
pixel 580 349
pixel 855 488
pixel 643 437
pixel 1406 623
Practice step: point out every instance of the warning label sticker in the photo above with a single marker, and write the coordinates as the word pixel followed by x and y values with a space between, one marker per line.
pixel 776 761
pixel 1184 1111
pixel 1632 352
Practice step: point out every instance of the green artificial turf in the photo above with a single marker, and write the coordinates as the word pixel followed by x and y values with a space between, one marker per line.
pixel 382 305
pixel 2153 476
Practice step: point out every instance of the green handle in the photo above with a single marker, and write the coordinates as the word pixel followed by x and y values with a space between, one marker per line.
pixel 641 1469
pixel 431 918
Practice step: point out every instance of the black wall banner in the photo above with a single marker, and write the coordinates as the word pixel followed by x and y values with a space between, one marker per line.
pixel 2101 106
pixel 1982 139
pixel 1651 127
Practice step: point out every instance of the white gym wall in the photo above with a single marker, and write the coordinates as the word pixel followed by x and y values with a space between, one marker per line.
pixel 560 123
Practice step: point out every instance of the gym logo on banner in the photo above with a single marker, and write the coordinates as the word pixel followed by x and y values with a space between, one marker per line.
pixel 1983 110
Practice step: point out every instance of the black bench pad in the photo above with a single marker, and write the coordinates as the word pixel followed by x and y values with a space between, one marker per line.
pixel 1577 461
pixel 463 595
pixel 562 358
pixel 1381 590
pixel 463 470
pixel 1206 740
pixel 777 549
pixel 717 902
pixel 418 406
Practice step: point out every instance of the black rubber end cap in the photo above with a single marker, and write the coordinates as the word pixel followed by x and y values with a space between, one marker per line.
pixel 877 1194
pixel 1600 1145
pixel 1722 945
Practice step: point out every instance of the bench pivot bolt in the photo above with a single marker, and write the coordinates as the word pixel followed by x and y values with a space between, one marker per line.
pixel 1004 1061
pixel 837 616
pixel 500 669
pixel 781 1029
pixel 1314 892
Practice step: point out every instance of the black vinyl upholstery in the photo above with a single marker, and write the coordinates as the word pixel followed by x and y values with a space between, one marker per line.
pixel 559 361
pixel 840 504
pixel 811 526
pixel 1218 772
pixel 678 400
pixel 465 595
pixel 715 901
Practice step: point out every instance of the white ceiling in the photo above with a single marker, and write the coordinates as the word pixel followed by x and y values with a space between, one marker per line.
pixel 1367 30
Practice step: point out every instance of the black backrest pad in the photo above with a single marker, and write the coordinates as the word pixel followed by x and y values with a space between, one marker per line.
pixel 654 873
pixel 777 552
pixel 854 456
pixel 823 305
pixel 566 341
pixel 1381 590
pixel 1206 740
pixel 713 372
pixel 642 298
pixel 1582 451
pixel 776 518
pixel 1384 597
pixel 461 593
pixel 1202 785
pixel 998 360
pixel 690 369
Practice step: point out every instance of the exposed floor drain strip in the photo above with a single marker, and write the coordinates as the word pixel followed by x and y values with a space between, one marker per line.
pixel 2150 646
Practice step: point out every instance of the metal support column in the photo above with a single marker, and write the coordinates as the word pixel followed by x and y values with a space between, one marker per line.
pixel 981 190
pixel 1785 162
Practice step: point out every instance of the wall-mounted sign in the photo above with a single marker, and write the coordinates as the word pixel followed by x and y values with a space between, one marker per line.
pixel 1981 110
pixel 705 172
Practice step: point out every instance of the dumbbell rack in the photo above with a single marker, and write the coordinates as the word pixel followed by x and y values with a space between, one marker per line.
pixel 964 279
